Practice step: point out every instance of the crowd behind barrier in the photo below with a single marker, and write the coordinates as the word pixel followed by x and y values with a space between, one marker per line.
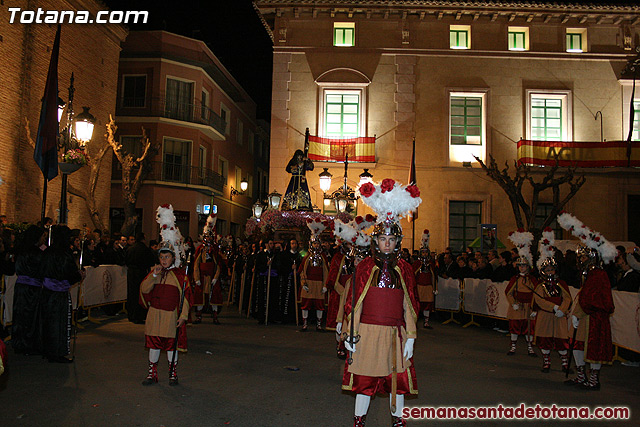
pixel 106 284
pixel 486 298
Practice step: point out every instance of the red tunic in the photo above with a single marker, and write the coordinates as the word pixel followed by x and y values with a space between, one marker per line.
pixel 425 283
pixel 205 271
pixel 381 308
pixel 315 277
pixel 596 301
pixel 162 295
pixel 335 284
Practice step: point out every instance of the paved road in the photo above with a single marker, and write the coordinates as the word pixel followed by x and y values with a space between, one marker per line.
pixel 236 374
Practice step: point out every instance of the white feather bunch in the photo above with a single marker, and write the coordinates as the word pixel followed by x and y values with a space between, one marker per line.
pixel 170 232
pixel 425 238
pixel 346 232
pixel 362 239
pixel 316 226
pixel 545 246
pixel 522 240
pixel 210 226
pixel 591 238
pixel 364 222
pixel 390 199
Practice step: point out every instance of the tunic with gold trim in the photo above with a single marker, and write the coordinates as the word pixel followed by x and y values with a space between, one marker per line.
pixel 384 318
pixel 162 296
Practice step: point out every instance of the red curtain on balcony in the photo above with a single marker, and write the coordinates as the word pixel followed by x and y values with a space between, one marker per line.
pixel 579 154
pixel 360 149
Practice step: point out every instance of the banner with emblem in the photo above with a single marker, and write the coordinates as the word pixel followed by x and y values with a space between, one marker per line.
pixel 104 285
pixel 482 296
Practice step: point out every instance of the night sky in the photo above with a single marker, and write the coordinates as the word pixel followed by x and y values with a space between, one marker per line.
pixel 231 29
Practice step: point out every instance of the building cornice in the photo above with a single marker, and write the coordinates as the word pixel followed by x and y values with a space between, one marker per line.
pixel 570 13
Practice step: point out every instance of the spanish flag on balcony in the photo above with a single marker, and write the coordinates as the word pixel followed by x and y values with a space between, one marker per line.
pixel 579 154
pixel 362 149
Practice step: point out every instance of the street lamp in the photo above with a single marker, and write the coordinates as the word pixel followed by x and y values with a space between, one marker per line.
pixel 344 196
pixel 274 200
pixel 325 180
pixel 243 187
pixel 257 209
pixel 84 126
pixel 71 140
pixel 365 177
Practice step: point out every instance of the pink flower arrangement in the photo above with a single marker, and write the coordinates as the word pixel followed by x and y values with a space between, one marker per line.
pixel 367 189
pixel 76 156
pixel 387 185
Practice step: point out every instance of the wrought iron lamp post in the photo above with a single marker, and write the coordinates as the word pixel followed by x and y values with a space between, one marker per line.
pixel 72 140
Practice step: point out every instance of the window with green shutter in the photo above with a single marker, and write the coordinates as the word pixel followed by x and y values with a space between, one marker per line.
pixel 465 218
pixel 466 120
pixel 342 115
pixel 546 119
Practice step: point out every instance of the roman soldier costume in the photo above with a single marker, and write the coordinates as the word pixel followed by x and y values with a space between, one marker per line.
pixel 313 272
pixel 592 306
pixel 551 302
pixel 426 279
pixel 380 308
pixel 206 273
pixel 519 293
pixel 166 293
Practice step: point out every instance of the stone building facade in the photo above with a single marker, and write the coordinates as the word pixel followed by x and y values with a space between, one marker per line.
pixel 463 79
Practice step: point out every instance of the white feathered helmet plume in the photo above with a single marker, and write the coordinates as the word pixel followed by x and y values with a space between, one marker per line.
pixel 522 240
pixel 391 201
pixel 350 233
pixel 424 242
pixel 317 226
pixel 364 222
pixel 545 249
pixel 590 238
pixel 209 230
pixel 171 237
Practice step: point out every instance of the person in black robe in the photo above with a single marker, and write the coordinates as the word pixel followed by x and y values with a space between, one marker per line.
pixel 266 284
pixel 26 337
pixel 289 263
pixel 60 272
pixel 139 260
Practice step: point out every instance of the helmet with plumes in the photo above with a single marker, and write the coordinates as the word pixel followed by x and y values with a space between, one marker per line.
pixel 546 265
pixel 592 258
pixel 523 260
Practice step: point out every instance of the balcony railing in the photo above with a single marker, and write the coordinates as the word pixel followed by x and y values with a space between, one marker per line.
pixel 171 109
pixel 179 174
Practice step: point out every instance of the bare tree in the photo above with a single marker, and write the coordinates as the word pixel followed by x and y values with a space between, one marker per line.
pixel 524 211
pixel 134 171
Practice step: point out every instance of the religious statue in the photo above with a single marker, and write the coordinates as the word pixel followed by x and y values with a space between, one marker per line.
pixel 297 196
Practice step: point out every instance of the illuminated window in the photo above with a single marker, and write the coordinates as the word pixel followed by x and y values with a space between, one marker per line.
pixel 576 40
pixel 549 115
pixel 466 120
pixel 342 114
pixel 518 38
pixel 467 126
pixel 344 34
pixel 459 36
